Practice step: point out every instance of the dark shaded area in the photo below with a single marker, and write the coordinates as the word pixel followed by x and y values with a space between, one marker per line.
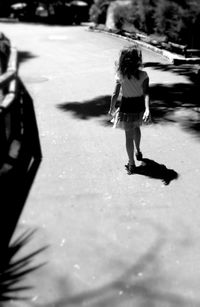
pixel 155 170
pixel 178 103
pixel 87 109
pixel 190 71
pixel 19 162
pixel 172 96
pixel 24 56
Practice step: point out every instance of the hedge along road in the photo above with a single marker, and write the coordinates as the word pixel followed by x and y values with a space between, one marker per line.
pixel 115 240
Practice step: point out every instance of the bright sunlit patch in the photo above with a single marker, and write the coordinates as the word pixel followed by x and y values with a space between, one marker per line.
pixel 57 37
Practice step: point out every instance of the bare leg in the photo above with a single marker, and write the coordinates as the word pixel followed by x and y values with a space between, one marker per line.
pixel 137 138
pixel 130 146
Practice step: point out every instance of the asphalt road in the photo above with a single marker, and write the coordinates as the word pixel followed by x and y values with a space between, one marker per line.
pixel 115 240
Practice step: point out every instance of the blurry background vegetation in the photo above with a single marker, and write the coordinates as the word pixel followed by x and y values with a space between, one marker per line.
pixel 51 11
pixel 175 20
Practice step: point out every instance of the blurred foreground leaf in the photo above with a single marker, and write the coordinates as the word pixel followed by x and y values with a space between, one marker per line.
pixel 13 271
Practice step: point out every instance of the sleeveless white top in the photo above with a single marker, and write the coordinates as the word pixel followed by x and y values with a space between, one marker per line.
pixel 132 87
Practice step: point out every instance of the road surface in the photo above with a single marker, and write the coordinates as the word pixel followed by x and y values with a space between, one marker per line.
pixel 114 240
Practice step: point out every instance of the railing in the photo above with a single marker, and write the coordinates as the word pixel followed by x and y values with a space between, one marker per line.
pixel 8 86
pixel 20 157
pixel 20 151
pixel 14 110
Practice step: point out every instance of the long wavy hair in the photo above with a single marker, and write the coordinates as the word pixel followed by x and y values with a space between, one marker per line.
pixel 130 60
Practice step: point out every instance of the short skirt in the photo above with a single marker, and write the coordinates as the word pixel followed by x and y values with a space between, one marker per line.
pixel 130 113
pixel 132 104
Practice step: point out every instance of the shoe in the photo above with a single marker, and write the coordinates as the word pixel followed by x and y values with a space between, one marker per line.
pixel 130 168
pixel 139 156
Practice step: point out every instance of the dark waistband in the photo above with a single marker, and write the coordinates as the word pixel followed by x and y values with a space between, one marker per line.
pixel 132 104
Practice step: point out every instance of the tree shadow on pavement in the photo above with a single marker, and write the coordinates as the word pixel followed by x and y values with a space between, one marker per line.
pixel 152 169
pixel 175 102
pixel 24 56
pixel 142 284
pixel 87 109
pixel 170 103
pixel 178 103
pixel 187 70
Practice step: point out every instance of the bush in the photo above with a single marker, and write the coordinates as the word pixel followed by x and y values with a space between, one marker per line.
pixel 98 11
pixel 168 20
pixel 121 16
pixel 178 20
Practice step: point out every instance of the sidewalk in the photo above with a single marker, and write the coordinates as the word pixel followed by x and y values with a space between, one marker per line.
pixel 114 240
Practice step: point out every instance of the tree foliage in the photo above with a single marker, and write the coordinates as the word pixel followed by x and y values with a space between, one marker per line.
pixel 178 20
pixel 98 11
pixel 168 19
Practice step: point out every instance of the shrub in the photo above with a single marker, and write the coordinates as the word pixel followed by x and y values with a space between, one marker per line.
pixel 98 11
pixel 168 19
pixel 122 15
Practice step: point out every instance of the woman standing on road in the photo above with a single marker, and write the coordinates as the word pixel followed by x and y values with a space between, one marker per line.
pixel 134 106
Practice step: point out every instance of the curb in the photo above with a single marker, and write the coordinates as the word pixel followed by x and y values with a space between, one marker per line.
pixel 173 58
pixel 9 20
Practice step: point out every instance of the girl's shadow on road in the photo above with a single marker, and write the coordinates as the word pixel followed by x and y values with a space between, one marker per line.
pixel 155 170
